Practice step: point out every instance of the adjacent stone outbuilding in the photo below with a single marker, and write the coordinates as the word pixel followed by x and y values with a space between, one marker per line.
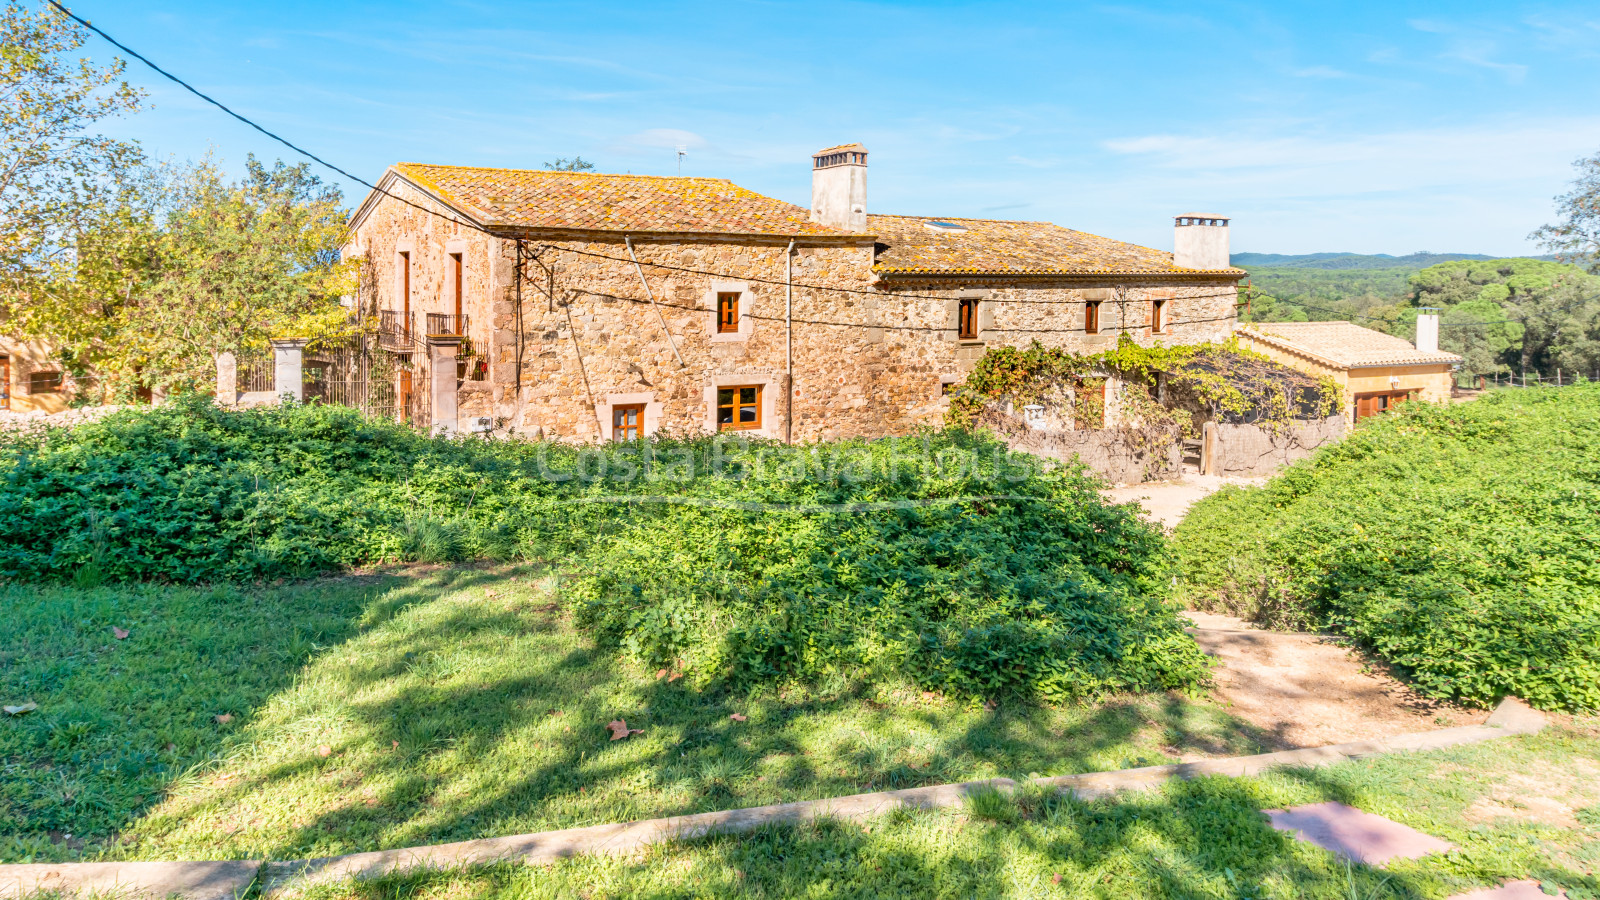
pixel 1376 370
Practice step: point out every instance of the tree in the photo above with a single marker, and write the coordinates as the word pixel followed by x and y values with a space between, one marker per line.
pixel 1576 238
pixel 54 172
pixel 187 265
pixel 575 164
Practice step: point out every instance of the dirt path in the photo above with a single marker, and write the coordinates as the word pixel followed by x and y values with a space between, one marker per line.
pixel 1167 501
pixel 1304 690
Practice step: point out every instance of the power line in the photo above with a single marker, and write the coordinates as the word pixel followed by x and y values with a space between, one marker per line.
pixel 219 105
pixel 362 181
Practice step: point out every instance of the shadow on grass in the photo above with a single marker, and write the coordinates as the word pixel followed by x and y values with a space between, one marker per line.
pixel 475 710
pixel 140 686
pixel 1205 838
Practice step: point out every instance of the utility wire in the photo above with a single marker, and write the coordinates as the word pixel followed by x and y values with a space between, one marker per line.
pixel 471 225
pixel 219 105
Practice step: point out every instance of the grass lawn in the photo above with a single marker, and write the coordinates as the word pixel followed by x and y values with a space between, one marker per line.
pixel 1526 807
pixel 424 706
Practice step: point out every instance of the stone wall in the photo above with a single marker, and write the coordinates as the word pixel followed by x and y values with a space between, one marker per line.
pixel 578 334
pixel 1119 455
pixel 1250 450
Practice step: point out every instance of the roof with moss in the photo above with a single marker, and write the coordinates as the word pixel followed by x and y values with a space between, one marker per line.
pixel 636 204
pixel 929 246
pixel 1343 345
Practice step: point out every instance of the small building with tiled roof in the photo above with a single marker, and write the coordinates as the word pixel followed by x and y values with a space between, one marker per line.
pixel 594 307
pixel 1376 370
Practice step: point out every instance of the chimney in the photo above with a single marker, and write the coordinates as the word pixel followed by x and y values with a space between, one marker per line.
pixel 1428 333
pixel 1200 241
pixel 839 187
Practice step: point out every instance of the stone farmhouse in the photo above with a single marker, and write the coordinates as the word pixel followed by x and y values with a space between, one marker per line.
pixel 593 307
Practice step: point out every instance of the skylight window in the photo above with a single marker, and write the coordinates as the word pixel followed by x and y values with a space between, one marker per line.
pixel 937 225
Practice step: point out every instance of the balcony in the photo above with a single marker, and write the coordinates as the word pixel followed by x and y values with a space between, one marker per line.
pixel 396 330
pixel 447 324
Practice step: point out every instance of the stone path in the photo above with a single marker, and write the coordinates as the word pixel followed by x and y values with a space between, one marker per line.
pixel 224 880
pixel 1355 835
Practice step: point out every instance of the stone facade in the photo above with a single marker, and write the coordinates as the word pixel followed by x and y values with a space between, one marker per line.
pixel 576 334
pixel 20 361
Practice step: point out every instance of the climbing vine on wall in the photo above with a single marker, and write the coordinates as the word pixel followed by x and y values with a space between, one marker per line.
pixel 1184 385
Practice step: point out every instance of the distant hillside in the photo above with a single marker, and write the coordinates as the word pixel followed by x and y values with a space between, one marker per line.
pixel 1414 262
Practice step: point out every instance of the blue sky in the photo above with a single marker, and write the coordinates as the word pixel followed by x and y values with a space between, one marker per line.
pixel 1366 127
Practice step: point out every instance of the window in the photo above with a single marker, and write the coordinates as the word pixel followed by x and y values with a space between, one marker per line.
pixel 968 324
pixel 1091 317
pixel 728 312
pixel 44 382
pixel 738 407
pixel 455 264
pixel 1158 316
pixel 627 422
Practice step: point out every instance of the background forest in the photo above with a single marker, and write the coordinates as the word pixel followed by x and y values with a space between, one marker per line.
pixel 1530 315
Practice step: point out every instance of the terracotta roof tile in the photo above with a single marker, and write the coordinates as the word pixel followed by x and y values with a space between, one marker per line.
pixel 1344 344
pixel 640 204
pixel 917 246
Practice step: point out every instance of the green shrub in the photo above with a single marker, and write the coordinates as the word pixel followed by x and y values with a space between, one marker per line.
pixel 1459 543
pixel 937 559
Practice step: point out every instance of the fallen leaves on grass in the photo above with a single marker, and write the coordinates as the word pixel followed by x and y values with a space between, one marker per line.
pixel 223 718
pixel 120 634
pixel 738 718
pixel 18 710
pixel 620 729
pixel 324 750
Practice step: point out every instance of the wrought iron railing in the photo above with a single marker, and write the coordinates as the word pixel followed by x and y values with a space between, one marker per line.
pixel 396 329
pixel 447 324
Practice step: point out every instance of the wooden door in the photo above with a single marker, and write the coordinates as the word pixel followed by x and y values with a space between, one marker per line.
pixel 405 394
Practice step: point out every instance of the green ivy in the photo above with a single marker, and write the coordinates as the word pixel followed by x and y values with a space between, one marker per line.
pixel 1226 380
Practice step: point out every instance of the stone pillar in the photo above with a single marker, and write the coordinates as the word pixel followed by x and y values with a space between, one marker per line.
pixel 227 378
pixel 287 362
pixel 442 377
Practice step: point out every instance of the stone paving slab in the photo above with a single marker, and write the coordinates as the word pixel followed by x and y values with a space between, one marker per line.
pixel 1355 835
pixel 1515 890
pixel 224 880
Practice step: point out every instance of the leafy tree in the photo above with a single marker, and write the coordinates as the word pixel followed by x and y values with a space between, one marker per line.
pixel 1576 237
pixel 575 164
pixel 187 265
pixel 1514 315
pixel 55 173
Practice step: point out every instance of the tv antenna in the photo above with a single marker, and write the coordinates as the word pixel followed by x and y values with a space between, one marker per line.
pixel 682 152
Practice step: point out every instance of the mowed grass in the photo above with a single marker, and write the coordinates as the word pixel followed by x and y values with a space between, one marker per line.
pixel 425 706
pixel 1517 808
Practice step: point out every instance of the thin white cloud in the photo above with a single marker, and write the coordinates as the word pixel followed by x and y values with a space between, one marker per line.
pixel 661 139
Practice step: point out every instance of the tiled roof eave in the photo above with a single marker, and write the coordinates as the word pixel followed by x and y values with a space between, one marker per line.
pixel 1285 344
pixel 1170 272
pixel 515 230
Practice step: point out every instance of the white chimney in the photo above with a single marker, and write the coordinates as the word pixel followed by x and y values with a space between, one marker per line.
pixel 1428 333
pixel 1200 241
pixel 839 187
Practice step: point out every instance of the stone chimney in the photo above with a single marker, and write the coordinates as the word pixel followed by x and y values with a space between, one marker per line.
pixel 839 187
pixel 1428 333
pixel 1200 241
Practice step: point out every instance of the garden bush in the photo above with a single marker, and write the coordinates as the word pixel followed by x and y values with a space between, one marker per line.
pixel 940 560
pixel 1459 543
